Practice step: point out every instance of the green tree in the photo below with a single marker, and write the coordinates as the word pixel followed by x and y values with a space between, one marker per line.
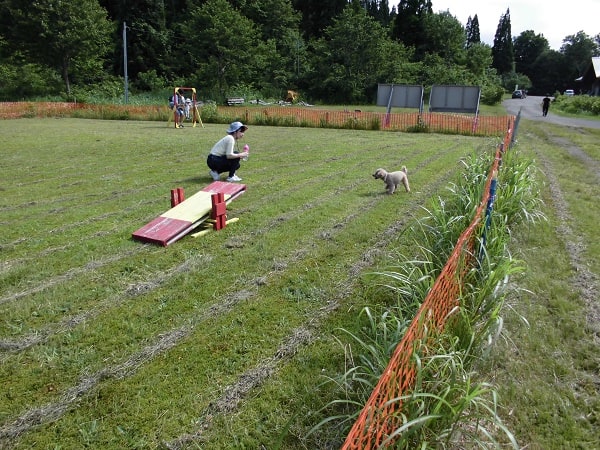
pixel 283 51
pixel 70 37
pixel 578 50
pixel 528 46
pixel 379 10
pixel 150 42
pixel 438 70
pixel 472 31
pixel 223 55
pixel 502 50
pixel 550 73
pixel 317 15
pixel 354 56
pixel 409 24
pixel 478 59
pixel 275 18
pixel 445 36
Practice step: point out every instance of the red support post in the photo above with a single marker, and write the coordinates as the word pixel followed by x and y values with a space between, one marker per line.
pixel 177 196
pixel 219 211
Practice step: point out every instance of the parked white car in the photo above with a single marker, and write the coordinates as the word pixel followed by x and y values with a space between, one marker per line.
pixel 569 92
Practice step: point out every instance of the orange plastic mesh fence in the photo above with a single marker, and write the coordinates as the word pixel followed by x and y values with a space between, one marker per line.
pixel 279 115
pixel 434 122
pixel 380 416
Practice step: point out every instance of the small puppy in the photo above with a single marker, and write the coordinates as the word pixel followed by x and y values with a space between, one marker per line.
pixel 393 179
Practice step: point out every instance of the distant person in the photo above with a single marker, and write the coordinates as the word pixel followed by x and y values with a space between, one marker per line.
pixel 223 157
pixel 188 106
pixel 177 104
pixel 545 105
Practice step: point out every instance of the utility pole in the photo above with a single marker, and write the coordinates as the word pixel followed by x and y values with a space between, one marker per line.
pixel 125 61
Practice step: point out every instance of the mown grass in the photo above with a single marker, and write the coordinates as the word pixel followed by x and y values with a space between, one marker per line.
pixel 111 343
pixel 226 341
pixel 547 368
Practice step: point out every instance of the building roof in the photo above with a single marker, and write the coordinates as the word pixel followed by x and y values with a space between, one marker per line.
pixel 592 71
pixel 596 65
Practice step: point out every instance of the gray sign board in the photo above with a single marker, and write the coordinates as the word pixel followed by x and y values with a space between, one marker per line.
pixel 400 96
pixel 463 99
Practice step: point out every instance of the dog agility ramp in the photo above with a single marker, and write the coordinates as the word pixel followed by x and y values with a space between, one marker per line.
pixel 187 215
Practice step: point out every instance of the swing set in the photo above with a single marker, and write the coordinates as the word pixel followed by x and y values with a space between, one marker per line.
pixel 190 109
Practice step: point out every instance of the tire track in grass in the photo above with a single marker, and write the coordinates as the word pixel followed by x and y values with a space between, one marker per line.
pixel 15 263
pixel 585 281
pixel 577 153
pixel 41 335
pixel 74 225
pixel 37 336
pixel 54 410
pixel 74 201
pixel 272 197
pixel 233 394
pixel 69 227
pixel 70 274
pixel 316 202
pixel 96 264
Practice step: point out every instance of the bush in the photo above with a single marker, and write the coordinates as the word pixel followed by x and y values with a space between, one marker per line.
pixel 512 79
pixel 578 104
pixel 491 94
pixel 150 81
pixel 28 80
pixel 208 112
pixel 112 90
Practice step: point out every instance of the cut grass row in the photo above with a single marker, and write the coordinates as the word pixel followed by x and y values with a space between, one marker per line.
pixel 547 370
pixel 551 393
pixel 167 329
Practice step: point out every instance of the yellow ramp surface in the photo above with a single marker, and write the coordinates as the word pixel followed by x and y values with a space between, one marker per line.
pixel 192 208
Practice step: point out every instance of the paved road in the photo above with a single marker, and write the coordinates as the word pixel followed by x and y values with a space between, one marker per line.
pixel 531 108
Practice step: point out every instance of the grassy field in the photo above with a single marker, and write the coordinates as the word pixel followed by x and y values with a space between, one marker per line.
pixel 548 369
pixel 224 342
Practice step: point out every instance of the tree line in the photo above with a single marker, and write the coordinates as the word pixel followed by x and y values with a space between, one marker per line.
pixel 335 51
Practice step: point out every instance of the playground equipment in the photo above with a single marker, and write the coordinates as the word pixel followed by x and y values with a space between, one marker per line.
pixel 193 107
pixel 187 215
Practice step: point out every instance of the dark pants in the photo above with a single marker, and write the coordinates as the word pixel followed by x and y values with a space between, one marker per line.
pixel 221 164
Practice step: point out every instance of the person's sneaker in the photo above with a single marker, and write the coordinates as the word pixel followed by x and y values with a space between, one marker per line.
pixel 214 175
pixel 234 179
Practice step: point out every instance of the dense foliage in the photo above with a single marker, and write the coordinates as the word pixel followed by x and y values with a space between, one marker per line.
pixel 328 50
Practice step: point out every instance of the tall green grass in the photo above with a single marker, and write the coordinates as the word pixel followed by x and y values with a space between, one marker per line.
pixel 451 403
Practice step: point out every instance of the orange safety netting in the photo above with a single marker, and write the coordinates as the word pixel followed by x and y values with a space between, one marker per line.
pixel 281 116
pixel 405 121
pixel 380 416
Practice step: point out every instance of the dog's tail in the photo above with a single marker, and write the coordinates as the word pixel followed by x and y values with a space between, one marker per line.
pixel 404 170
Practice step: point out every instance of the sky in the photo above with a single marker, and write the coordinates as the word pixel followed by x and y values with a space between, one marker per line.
pixel 543 17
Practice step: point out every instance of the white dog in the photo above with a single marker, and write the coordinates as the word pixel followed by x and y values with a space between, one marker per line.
pixel 393 179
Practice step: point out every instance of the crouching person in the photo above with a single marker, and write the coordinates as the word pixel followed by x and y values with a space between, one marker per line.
pixel 223 156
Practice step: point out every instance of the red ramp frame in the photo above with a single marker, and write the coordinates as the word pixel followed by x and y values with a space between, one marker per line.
pixel 187 215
